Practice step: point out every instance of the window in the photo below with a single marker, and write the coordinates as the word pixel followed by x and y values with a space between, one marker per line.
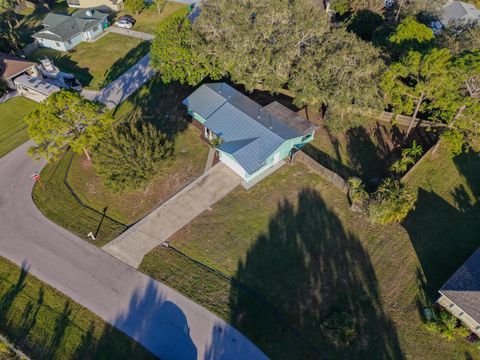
pixel 69 42
pixel 95 28
pixel 57 43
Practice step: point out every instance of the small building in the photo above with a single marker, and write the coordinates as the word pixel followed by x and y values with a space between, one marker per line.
pixel 249 138
pixel 460 295
pixel 12 66
pixel 458 12
pixel 104 5
pixel 64 32
pixel 34 88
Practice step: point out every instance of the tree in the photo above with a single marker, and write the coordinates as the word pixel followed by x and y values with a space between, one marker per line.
pixel 425 8
pixel 257 42
pixel 391 202
pixel 462 37
pixel 132 154
pixel 411 35
pixel 137 6
pixel 418 81
pixel 66 119
pixel 344 6
pixel 340 74
pixel 409 156
pixel 9 38
pixel 356 193
pixel 174 56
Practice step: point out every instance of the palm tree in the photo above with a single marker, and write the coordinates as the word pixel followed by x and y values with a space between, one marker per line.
pixel 356 193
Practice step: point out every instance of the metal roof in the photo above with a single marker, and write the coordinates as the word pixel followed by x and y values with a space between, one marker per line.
pixel 250 133
pixel 455 11
pixel 463 288
pixel 36 84
pixel 59 27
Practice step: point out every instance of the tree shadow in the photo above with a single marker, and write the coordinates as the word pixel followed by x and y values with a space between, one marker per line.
pixel 9 297
pixel 444 235
pixel 318 276
pixel 122 65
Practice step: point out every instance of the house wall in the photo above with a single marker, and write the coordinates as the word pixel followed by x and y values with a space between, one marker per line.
pixel 31 94
pixel 56 45
pixel 94 32
pixel 71 43
pixel 95 3
pixel 456 311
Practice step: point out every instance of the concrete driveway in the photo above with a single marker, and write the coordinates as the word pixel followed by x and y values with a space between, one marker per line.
pixel 177 212
pixel 164 321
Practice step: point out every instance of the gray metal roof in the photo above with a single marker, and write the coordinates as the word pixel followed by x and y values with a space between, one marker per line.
pixel 59 27
pixel 458 11
pixel 463 288
pixel 36 84
pixel 250 133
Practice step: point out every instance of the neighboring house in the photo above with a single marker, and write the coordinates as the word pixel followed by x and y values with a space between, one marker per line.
pixel 106 5
pixel 64 32
pixel 461 293
pixel 34 88
pixel 459 12
pixel 253 138
pixel 12 66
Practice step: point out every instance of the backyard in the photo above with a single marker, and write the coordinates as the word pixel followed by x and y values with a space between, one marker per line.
pixel 46 324
pixel 301 259
pixel 148 20
pixel 14 128
pixel 108 213
pixel 99 63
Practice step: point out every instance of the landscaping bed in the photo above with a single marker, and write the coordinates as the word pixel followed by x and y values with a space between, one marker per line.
pixel 305 261
pixel 46 324
pixel 14 128
pixel 99 63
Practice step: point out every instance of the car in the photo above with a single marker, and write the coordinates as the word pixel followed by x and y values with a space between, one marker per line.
pixel 123 24
pixel 128 18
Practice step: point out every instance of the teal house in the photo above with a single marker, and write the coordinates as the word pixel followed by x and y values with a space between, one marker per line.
pixel 250 138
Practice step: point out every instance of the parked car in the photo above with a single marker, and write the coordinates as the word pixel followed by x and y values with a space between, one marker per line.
pixel 127 18
pixel 123 24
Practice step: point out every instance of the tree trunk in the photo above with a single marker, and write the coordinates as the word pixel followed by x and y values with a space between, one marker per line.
pixel 414 116
pixel 87 154
pixel 158 6
pixel 450 126
pixel 400 5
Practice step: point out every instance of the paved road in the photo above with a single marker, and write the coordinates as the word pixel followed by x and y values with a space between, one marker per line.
pixel 117 91
pixel 174 214
pixel 165 322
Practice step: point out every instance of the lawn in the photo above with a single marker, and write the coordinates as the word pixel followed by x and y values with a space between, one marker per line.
pixel 46 324
pixel 98 64
pixel 306 263
pixel 14 128
pixel 157 103
pixel 148 19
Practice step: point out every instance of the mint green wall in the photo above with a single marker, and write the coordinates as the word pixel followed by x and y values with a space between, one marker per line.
pixel 196 116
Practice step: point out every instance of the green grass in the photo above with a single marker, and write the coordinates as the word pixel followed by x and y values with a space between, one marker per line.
pixel 293 241
pixel 56 202
pixel 46 324
pixel 14 128
pixel 98 64
pixel 148 20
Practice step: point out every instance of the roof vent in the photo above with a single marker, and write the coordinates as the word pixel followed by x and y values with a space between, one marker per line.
pixel 89 12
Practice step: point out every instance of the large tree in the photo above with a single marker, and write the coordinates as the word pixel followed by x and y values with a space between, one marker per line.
pixel 66 119
pixel 340 74
pixel 344 6
pixel 411 35
pixel 426 8
pixel 132 154
pixel 461 37
pixel 9 39
pixel 417 81
pixel 174 56
pixel 257 42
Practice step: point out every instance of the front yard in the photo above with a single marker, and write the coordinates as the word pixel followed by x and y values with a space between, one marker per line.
pixel 302 261
pixel 14 128
pixel 98 64
pixel 46 324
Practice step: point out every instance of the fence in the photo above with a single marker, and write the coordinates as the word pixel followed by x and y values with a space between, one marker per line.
pixel 403 120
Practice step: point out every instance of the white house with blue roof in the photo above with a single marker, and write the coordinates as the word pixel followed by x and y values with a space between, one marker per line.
pixel 253 138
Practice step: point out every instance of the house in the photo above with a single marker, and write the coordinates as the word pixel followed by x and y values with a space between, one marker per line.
pixel 461 293
pixel 12 67
pixel 458 12
pixel 34 88
pixel 251 139
pixel 104 5
pixel 64 32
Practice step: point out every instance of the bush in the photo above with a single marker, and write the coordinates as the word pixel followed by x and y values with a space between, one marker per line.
pixel 134 153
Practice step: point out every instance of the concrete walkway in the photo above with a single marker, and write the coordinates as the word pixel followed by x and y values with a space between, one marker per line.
pixel 117 91
pixel 164 321
pixel 132 33
pixel 165 221
pixel 210 159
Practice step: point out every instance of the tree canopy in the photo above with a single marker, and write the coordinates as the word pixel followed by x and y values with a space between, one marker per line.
pixel 411 35
pixel 66 119
pixel 340 73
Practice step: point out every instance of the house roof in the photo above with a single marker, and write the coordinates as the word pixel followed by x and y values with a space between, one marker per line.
pixel 454 11
pixel 37 85
pixel 60 27
pixel 11 66
pixel 463 288
pixel 250 133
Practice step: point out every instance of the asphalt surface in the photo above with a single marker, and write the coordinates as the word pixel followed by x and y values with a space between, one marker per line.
pixel 165 322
